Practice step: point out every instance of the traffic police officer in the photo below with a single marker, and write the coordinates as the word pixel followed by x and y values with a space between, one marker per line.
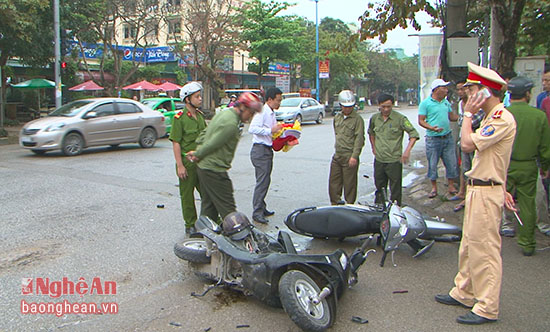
pixel 479 277
pixel 349 131
pixel 532 141
pixel 186 127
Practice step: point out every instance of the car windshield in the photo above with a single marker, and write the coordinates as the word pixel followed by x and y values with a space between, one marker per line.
pixel 150 102
pixel 70 109
pixel 291 102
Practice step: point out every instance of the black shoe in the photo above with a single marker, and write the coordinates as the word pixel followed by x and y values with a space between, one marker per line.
pixel 260 220
pixel 268 213
pixel 191 231
pixel 448 300
pixel 473 319
pixel 528 252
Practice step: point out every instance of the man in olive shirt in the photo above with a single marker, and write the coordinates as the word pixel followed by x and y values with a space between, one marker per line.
pixel 215 152
pixel 532 142
pixel 186 127
pixel 349 131
pixel 386 131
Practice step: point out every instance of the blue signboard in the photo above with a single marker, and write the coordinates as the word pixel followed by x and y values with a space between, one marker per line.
pixel 279 68
pixel 152 54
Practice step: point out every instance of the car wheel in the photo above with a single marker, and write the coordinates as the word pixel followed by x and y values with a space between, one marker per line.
pixel 319 118
pixel 147 138
pixel 38 152
pixel 299 118
pixel 73 144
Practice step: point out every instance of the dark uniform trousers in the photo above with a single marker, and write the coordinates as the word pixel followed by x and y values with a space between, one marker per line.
pixel 342 176
pixel 479 274
pixel 522 179
pixel 384 172
pixel 216 194
pixel 261 156
pixel 187 193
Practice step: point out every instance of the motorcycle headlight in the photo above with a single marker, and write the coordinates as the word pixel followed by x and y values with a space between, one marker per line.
pixel 385 228
pixel 343 261
pixel 55 127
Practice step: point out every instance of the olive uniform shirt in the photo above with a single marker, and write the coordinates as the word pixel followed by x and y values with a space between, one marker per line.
pixel 389 135
pixel 217 144
pixel 533 141
pixel 493 140
pixel 186 130
pixel 349 134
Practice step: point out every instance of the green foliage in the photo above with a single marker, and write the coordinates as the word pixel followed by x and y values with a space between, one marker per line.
pixel 535 27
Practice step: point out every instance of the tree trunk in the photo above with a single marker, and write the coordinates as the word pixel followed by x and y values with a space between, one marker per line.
pixel 3 61
pixel 505 19
pixel 456 16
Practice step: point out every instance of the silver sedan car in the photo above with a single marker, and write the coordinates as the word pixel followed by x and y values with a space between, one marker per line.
pixel 301 109
pixel 92 122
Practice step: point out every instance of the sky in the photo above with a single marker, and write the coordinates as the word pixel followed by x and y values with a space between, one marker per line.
pixel 349 10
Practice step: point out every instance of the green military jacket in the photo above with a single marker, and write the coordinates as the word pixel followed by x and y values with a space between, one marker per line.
pixel 217 144
pixel 389 135
pixel 186 130
pixel 532 135
pixel 349 135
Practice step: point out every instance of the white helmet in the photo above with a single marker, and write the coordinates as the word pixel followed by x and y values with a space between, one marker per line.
pixel 189 88
pixel 346 98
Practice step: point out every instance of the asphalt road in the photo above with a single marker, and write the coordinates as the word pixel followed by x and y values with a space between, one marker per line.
pixel 96 215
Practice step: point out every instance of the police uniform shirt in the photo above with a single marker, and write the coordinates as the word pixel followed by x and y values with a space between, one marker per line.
pixel 493 140
pixel 186 129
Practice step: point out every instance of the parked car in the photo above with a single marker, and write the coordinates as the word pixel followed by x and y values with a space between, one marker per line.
pixel 301 109
pixel 167 106
pixel 92 122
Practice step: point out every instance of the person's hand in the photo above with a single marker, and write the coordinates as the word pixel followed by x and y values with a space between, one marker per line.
pixel 352 162
pixel 182 172
pixel 276 128
pixel 437 129
pixel 405 157
pixel 373 151
pixel 191 156
pixel 473 105
pixel 509 202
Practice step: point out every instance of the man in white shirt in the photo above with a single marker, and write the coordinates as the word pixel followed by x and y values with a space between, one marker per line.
pixel 262 126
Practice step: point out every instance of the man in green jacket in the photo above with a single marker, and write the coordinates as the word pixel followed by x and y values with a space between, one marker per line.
pixel 532 142
pixel 215 151
pixel 386 131
pixel 349 131
pixel 186 127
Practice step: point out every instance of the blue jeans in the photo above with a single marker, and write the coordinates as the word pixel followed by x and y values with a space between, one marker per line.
pixel 441 148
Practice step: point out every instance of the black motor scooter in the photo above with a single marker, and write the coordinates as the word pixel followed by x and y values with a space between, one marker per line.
pixel 341 221
pixel 306 286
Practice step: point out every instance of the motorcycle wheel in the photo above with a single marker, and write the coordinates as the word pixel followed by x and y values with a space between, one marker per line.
pixel 192 250
pixel 296 290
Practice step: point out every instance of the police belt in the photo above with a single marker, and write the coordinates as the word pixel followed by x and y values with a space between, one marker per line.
pixel 476 182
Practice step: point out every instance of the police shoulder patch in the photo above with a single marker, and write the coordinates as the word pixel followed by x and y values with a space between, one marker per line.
pixel 488 130
pixel 497 114
pixel 177 115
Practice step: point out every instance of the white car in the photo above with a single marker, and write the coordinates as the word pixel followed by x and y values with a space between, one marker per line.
pixel 300 109
pixel 92 122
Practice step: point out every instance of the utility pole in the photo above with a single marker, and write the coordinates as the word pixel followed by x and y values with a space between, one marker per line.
pixel 316 50
pixel 57 51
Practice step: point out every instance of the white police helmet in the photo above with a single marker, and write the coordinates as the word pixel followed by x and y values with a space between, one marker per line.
pixel 346 98
pixel 189 88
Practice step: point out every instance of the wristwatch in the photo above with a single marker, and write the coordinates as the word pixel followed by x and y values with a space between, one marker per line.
pixel 468 114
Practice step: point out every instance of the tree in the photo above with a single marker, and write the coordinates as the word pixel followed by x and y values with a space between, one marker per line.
pixel 211 33
pixel 26 28
pixel 535 26
pixel 266 34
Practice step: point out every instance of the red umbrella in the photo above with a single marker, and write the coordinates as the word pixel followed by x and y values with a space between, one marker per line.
pixel 169 86
pixel 143 85
pixel 86 86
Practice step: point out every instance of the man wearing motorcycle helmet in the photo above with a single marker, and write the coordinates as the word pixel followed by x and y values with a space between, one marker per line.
pixel 186 126
pixel 215 151
pixel 349 131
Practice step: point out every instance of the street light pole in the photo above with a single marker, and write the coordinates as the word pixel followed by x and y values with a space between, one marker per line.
pixel 57 51
pixel 316 50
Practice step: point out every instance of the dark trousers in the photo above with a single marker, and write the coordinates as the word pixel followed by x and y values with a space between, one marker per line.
pixel 384 172
pixel 216 194
pixel 262 158
pixel 342 177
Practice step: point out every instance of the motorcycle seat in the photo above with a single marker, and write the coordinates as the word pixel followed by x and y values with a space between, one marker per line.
pixel 338 221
